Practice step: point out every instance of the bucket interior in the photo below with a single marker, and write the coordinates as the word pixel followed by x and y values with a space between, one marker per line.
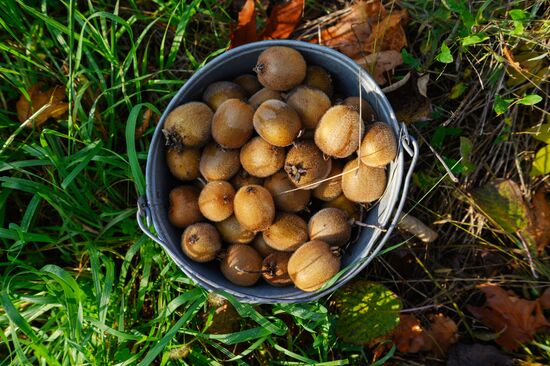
pixel 347 77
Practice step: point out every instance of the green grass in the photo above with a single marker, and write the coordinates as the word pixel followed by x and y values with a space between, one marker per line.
pixel 82 285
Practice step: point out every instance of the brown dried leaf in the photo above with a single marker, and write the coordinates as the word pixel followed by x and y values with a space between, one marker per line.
pixel 408 101
pixel 409 336
pixel 443 333
pixel 517 320
pixel 246 26
pixel 284 18
pixel 539 227
pixel 53 101
pixel 144 124
pixel 379 63
pixel 544 299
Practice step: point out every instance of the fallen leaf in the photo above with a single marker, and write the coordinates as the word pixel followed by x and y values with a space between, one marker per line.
pixel 284 18
pixel 544 299
pixel 369 30
pixel 541 163
pixel 51 104
pixel 411 337
pixel 367 310
pixel 408 101
pixel 539 228
pixel 510 58
pixel 144 124
pixel 477 355
pixel 517 320
pixel 245 31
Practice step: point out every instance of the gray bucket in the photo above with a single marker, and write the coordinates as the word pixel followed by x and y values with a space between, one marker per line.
pixel 383 216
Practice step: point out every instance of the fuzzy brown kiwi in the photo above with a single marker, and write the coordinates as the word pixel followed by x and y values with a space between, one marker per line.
pixel 201 242
pixel 367 113
pixel 339 131
pixel 317 77
pixel 232 123
pixel 233 232
pixel 306 165
pixel 218 163
pixel 313 264
pixel 280 68
pixel 219 91
pixel 242 265
pixel 352 209
pixel 184 164
pixel 243 178
pixel 254 207
pixel 330 189
pixel 261 246
pixel 294 201
pixel 287 233
pixel 261 159
pixel 262 95
pixel 310 104
pixel 277 122
pixel 379 146
pixel 188 126
pixel 249 83
pixel 216 200
pixel 184 206
pixel 275 271
pixel 330 225
pixel 362 183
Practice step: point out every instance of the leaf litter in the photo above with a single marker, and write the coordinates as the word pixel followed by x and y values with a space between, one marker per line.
pixel 42 105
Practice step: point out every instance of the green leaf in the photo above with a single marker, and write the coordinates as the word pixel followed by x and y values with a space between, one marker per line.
pixel 502 201
pixel 367 311
pixel 541 164
pixel 530 99
pixel 517 14
pixel 541 133
pixel 466 148
pixel 444 55
pixel 409 59
pixel 500 105
pixel 457 90
pixel 474 39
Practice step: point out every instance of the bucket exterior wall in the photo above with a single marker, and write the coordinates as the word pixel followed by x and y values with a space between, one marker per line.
pixel 348 78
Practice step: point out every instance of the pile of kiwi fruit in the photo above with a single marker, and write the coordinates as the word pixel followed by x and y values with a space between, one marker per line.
pixel 275 167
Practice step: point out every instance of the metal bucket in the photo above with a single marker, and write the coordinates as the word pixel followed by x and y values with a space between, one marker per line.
pixel 383 216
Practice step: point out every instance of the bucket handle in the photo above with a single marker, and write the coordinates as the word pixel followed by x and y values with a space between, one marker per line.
pixel 143 212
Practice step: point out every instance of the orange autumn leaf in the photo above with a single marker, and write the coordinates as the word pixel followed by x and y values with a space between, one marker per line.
pixel 283 20
pixel 51 104
pixel 517 320
pixel 411 337
pixel 246 25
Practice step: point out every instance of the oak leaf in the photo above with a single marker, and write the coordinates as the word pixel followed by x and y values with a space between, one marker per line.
pixel 49 103
pixel 517 320
pixel 411 337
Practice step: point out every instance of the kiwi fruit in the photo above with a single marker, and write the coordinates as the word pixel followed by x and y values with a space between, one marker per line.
pixel 254 207
pixel 310 104
pixel 233 232
pixel 362 183
pixel 330 189
pixel 277 122
pixel 287 233
pixel 242 265
pixel 232 123
pixel 280 68
pixel 188 126
pixel 243 178
pixel 352 209
pixel 261 159
pixel 219 91
pixel 330 225
pixel 339 131
pixel 261 246
pixel 216 200
pixel 275 271
pixel 317 77
pixel 201 242
pixel 218 163
pixel 313 264
pixel 294 201
pixel 184 164
pixel 305 165
pixel 367 113
pixel 262 95
pixel 249 83
pixel 379 146
pixel 184 206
